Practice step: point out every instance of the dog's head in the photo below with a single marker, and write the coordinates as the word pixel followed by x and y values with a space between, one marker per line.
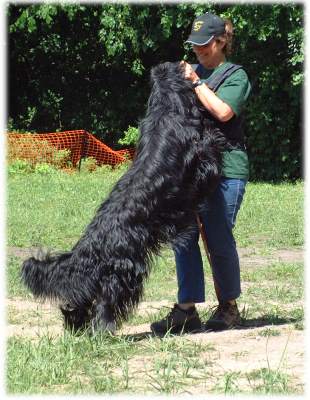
pixel 170 90
pixel 170 75
pixel 75 318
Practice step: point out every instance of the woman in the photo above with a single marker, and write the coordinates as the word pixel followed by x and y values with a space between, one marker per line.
pixel 211 38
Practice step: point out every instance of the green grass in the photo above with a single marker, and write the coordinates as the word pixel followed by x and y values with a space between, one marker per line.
pixel 65 364
pixel 13 283
pixel 269 381
pixel 172 365
pixel 271 215
pixel 52 210
pixel 105 364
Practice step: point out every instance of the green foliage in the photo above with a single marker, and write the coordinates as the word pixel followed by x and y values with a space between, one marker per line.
pixel 45 169
pixel 61 158
pixel 77 66
pixel 88 164
pixel 25 167
pixel 19 167
pixel 130 136
pixel 273 118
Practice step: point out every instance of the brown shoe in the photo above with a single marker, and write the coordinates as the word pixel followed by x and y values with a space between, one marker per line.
pixel 226 316
pixel 178 321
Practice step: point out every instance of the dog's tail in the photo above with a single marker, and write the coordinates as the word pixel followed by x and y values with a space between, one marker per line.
pixel 61 277
pixel 44 275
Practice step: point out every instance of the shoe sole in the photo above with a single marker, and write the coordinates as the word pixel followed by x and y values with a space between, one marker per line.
pixel 219 326
pixel 177 330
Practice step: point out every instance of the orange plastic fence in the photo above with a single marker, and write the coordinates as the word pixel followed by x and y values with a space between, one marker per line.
pixel 80 143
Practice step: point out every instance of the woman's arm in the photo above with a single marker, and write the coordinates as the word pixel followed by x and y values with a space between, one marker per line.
pixel 214 104
pixel 218 108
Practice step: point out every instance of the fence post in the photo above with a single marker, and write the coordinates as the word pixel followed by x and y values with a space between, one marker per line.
pixel 83 149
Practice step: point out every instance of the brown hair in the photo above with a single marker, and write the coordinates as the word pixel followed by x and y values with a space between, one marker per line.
pixel 227 37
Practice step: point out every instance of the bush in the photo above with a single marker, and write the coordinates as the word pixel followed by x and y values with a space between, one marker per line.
pixel 45 169
pixel 119 43
pixel 61 158
pixel 24 167
pixel 19 167
pixel 88 164
pixel 35 151
pixel 131 136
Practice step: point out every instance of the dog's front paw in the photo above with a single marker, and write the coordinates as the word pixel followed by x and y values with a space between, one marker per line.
pixel 103 319
pixel 103 326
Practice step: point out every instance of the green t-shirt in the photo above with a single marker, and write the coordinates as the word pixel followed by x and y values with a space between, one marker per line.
pixel 234 91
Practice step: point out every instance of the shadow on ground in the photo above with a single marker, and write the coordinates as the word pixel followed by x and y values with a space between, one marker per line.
pixel 264 320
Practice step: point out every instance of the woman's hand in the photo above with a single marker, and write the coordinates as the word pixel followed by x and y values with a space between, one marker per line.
pixel 218 108
pixel 189 73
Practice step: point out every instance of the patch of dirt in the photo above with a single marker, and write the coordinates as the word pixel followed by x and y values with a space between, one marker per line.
pixel 251 257
pixel 34 333
pixel 233 353
pixel 241 351
pixel 25 252
pixel 32 319
pixel 248 256
pixel 238 351
pixel 21 305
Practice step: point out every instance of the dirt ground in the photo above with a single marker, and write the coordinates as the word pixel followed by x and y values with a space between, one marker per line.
pixel 233 350
pixel 241 350
pixel 248 256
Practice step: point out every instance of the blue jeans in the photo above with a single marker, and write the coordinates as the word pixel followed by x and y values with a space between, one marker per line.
pixel 218 218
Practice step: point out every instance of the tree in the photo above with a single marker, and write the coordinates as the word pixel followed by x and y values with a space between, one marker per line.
pixel 74 66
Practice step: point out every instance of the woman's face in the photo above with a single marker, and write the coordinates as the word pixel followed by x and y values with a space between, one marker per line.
pixel 210 55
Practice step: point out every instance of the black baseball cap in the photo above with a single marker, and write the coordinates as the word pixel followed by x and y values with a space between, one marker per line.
pixel 205 28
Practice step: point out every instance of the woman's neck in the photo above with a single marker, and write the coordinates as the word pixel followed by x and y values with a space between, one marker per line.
pixel 215 63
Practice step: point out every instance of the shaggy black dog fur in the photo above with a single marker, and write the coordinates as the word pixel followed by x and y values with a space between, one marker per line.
pixel 177 164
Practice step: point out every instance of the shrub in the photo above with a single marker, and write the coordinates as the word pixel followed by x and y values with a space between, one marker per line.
pixel 121 42
pixel 61 158
pixel 88 164
pixel 35 151
pixel 130 136
pixel 45 169
pixel 19 167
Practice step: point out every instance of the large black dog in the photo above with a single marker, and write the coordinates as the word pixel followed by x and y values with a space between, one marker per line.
pixel 177 164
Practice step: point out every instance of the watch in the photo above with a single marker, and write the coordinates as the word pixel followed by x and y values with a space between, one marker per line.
pixel 197 83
